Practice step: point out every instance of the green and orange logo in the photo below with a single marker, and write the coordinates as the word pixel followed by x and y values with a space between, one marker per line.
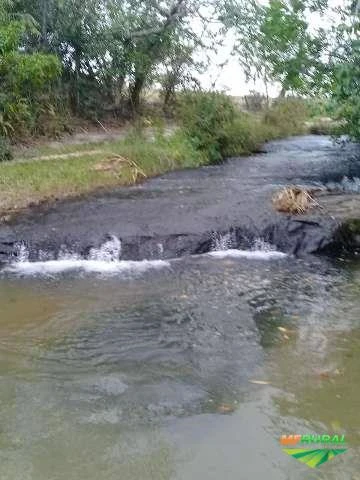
pixel 313 450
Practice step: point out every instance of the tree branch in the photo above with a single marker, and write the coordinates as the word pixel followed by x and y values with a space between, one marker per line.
pixel 175 13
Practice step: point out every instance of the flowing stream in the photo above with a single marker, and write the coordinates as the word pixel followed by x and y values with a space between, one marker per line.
pixel 185 369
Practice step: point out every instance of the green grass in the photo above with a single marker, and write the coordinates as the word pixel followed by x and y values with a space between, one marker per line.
pixel 48 173
pixel 27 181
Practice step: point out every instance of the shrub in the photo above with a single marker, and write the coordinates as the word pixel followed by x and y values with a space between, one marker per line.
pixel 286 117
pixel 345 100
pixel 255 102
pixel 25 79
pixel 5 149
pixel 323 126
pixel 205 118
pixel 317 107
pixel 245 134
pixel 216 127
pixel 219 129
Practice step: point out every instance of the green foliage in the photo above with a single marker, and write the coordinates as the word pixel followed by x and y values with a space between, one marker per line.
pixel 217 128
pixel 10 35
pixel 287 117
pixel 318 107
pixel 244 135
pixel 24 77
pixel 5 149
pixel 345 57
pixel 274 42
pixel 206 118
pixel 345 104
pixel 97 58
pixel 112 50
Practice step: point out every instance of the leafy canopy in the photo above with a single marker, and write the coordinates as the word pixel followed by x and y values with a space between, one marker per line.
pixel 23 76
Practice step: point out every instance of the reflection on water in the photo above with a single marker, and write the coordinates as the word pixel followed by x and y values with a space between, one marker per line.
pixel 150 377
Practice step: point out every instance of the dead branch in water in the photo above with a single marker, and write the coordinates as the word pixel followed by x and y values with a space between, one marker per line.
pixel 294 200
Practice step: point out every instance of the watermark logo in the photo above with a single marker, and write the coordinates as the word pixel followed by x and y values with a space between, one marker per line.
pixel 313 450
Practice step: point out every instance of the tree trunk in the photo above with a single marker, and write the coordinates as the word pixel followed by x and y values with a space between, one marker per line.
pixel 76 91
pixel 135 92
pixel 117 91
pixel 44 22
pixel 282 93
pixel 168 96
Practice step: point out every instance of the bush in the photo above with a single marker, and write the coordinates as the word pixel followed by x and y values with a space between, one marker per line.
pixel 219 129
pixel 317 107
pixel 5 150
pixel 26 78
pixel 345 100
pixel 286 117
pixel 323 126
pixel 204 117
pixel 255 102
pixel 216 127
pixel 244 135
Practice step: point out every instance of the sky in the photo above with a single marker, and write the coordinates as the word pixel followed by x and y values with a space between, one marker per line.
pixel 231 77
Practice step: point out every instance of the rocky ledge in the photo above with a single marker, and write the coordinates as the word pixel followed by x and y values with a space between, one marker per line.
pixel 218 207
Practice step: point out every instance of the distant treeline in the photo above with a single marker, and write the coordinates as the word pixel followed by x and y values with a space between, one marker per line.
pixel 92 58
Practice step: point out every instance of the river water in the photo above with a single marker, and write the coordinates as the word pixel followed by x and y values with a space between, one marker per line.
pixel 187 369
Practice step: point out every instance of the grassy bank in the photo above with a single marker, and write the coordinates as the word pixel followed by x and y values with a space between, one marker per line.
pixel 50 173
pixel 79 169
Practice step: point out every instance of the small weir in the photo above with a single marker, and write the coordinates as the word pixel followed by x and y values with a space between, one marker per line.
pixel 156 334
pixel 108 259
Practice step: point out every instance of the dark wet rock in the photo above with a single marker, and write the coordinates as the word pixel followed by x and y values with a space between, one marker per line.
pixel 302 236
pixel 7 243
pixel 195 211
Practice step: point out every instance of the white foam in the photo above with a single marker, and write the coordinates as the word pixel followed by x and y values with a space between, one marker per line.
pixel 22 253
pixel 261 244
pixel 250 254
pixel 221 241
pixel 109 251
pixel 90 266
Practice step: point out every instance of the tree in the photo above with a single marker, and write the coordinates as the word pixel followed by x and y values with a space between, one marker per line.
pixel 178 70
pixel 346 67
pixel 111 49
pixel 75 31
pixel 148 31
pixel 24 77
pixel 274 42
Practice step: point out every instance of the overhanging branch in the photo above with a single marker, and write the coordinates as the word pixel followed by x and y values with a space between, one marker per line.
pixel 175 13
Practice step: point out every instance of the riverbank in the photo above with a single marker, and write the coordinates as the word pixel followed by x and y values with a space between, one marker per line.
pixel 54 171
pixel 72 170
pixel 195 211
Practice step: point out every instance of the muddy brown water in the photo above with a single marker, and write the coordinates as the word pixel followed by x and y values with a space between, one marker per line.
pixel 188 369
pixel 150 376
